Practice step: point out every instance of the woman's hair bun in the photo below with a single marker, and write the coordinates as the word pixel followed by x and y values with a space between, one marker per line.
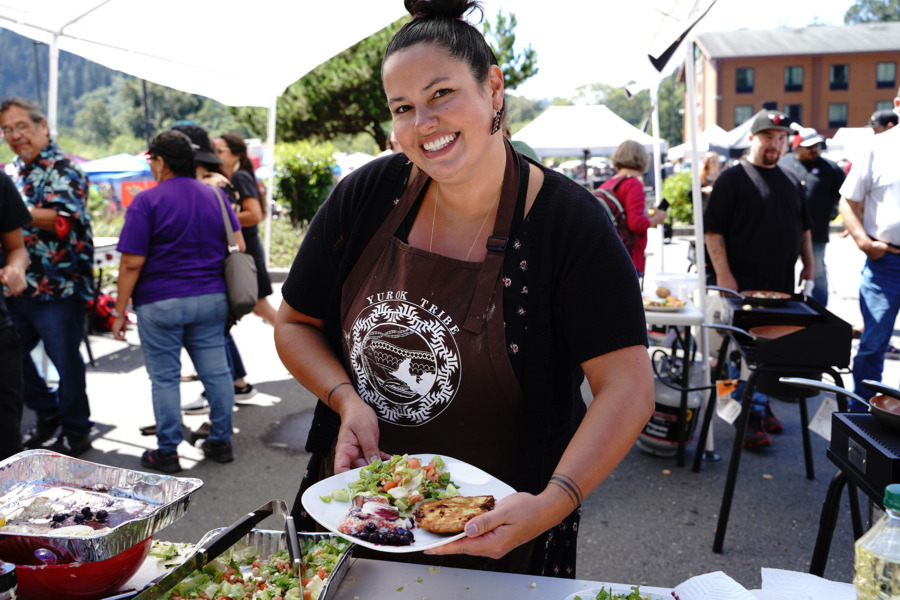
pixel 453 9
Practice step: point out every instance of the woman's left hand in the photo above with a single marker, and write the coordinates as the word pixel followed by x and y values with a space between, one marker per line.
pixel 513 522
pixel 119 326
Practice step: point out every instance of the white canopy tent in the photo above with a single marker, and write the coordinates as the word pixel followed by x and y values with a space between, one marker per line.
pixel 179 44
pixel 711 136
pixel 570 130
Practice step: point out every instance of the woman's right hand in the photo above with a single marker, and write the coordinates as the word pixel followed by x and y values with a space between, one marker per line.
pixel 357 441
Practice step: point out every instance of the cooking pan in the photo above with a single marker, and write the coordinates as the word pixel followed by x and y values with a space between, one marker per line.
pixel 757 297
pixel 885 408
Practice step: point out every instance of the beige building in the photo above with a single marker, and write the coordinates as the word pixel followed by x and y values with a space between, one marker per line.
pixel 822 77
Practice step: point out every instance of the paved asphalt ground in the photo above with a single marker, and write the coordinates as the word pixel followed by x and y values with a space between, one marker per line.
pixel 651 522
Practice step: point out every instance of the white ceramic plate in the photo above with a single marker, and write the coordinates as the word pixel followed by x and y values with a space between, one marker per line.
pixel 663 308
pixel 470 480
pixel 615 588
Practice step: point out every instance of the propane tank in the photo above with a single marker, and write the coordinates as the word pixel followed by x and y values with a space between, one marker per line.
pixel 660 434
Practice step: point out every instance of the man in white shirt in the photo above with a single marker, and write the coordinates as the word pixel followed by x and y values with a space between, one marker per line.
pixel 870 206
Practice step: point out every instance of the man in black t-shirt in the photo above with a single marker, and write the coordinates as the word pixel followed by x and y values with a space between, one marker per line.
pixel 821 180
pixel 13 262
pixel 757 224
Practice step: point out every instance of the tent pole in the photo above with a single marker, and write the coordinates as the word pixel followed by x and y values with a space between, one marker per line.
pixel 698 218
pixel 270 144
pixel 657 165
pixel 53 88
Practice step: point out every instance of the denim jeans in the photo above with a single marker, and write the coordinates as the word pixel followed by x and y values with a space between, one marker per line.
pixel 757 402
pixel 235 364
pixel 820 277
pixel 198 324
pixel 879 302
pixel 60 324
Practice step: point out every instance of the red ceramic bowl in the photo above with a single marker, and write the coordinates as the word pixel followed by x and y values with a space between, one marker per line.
pixel 80 581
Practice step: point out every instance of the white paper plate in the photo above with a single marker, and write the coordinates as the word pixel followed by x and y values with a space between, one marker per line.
pixel 470 480
pixel 615 588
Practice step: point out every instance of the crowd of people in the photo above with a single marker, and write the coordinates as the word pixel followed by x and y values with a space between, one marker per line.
pixel 506 264
pixel 173 245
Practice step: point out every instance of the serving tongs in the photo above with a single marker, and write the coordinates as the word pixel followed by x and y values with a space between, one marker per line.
pixel 219 544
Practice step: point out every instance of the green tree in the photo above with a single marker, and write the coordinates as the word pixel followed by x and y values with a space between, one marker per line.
pixel 671 110
pixel 502 38
pixel 344 95
pixel 341 96
pixel 94 123
pixel 869 11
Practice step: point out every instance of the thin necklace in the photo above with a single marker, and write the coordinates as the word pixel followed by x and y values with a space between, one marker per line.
pixel 477 235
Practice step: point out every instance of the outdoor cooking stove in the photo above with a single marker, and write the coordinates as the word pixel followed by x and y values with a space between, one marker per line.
pixel 868 456
pixel 820 346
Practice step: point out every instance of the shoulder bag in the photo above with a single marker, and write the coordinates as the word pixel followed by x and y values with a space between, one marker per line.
pixel 240 272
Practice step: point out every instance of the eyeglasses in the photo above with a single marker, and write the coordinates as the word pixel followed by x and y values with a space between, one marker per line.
pixel 17 128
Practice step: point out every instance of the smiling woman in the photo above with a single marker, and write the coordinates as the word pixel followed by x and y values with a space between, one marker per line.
pixel 456 287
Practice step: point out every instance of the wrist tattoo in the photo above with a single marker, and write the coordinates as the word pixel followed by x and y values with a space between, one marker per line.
pixel 571 488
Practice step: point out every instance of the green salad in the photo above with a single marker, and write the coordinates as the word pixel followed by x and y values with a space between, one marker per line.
pixel 604 594
pixel 403 480
pixel 242 574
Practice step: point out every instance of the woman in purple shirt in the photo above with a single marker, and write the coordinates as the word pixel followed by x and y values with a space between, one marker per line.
pixel 173 247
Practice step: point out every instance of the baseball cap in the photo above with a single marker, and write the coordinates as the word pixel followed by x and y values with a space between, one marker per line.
pixel 203 151
pixel 807 137
pixel 771 119
pixel 882 118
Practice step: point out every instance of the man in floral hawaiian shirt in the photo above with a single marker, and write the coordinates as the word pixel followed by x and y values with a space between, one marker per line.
pixel 59 279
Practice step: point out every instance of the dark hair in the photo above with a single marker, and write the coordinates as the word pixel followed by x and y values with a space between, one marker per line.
pixel 884 117
pixel 34 109
pixel 176 151
pixel 237 146
pixel 440 22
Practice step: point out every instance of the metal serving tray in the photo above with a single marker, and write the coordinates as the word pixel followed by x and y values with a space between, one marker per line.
pixel 268 542
pixel 139 504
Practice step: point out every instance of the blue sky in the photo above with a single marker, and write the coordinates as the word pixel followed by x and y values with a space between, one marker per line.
pixel 580 42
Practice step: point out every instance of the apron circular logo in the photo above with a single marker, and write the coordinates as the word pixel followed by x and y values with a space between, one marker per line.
pixel 405 361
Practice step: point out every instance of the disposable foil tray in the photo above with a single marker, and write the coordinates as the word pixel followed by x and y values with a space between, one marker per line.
pixel 267 542
pixel 138 505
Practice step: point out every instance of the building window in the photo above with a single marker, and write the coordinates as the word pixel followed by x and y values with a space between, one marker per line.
pixel 884 105
pixel 886 75
pixel 744 79
pixel 794 112
pixel 840 77
pixel 793 79
pixel 742 113
pixel 837 115
pixel 770 105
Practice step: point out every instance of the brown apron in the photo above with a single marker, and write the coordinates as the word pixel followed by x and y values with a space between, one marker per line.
pixel 425 345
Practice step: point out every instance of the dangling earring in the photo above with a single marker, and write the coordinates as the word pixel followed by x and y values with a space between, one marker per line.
pixel 497 119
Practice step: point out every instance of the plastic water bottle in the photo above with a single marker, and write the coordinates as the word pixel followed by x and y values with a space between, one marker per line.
pixel 878 553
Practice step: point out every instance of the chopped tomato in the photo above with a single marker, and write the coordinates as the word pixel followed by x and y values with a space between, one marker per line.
pixel 307 594
pixel 323 574
pixel 390 485
pixel 413 463
pixel 304 581
pixel 416 497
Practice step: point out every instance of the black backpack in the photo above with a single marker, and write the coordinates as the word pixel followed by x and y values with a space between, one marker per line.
pixel 616 210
